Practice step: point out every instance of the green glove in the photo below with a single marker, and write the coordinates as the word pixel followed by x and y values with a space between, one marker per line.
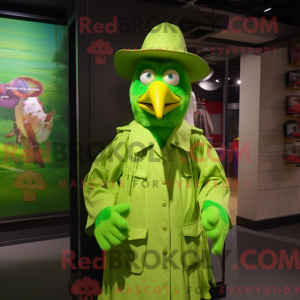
pixel 214 220
pixel 111 228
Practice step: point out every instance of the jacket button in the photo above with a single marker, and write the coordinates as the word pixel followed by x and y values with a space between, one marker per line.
pixel 165 252
pixel 164 181
pixel 165 228
pixel 164 204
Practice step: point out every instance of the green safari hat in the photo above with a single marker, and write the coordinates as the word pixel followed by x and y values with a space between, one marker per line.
pixel 164 42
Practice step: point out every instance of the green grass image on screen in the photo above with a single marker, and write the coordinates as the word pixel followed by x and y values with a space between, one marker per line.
pixel 36 50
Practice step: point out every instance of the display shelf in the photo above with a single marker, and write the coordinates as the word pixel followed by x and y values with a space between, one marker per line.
pixel 296 116
pixel 295 64
pixel 291 164
pixel 291 140
pixel 293 88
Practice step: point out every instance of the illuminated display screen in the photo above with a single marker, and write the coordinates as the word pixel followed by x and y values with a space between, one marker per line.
pixel 33 118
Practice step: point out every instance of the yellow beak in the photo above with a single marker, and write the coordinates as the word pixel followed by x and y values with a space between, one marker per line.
pixel 158 100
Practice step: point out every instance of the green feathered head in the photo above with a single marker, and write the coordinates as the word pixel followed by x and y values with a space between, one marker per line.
pixel 159 93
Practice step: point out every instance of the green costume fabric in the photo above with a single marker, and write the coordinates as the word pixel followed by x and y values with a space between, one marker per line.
pixel 167 249
pixel 111 227
pixel 215 222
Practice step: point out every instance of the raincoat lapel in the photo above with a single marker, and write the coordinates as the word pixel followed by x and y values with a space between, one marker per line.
pixel 143 138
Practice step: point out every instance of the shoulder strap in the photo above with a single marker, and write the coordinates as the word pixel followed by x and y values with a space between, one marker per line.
pixel 197 134
pixel 196 130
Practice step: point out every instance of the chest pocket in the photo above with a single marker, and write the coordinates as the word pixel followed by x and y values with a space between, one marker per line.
pixel 138 173
pixel 130 255
pixel 192 244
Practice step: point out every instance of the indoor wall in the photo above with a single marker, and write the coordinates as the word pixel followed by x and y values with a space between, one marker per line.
pixel 268 189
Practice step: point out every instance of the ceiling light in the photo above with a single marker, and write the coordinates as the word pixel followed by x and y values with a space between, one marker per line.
pixel 238 82
pixel 267 9
pixel 217 80
pixel 228 78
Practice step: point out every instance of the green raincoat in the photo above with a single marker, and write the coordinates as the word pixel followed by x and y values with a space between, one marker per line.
pixel 166 255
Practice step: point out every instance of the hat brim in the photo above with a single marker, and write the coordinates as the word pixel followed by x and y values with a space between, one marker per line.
pixel 126 62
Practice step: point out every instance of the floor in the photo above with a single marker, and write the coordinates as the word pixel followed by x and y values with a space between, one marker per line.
pixel 263 282
pixel 34 271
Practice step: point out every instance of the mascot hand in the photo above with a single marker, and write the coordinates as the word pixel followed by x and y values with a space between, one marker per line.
pixel 111 228
pixel 214 220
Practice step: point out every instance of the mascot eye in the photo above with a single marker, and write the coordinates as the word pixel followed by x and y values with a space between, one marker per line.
pixel 171 77
pixel 147 76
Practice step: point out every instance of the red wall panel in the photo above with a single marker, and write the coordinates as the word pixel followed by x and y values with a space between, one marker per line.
pixel 214 107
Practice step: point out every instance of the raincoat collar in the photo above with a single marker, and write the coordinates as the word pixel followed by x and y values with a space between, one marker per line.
pixel 141 136
pixel 180 137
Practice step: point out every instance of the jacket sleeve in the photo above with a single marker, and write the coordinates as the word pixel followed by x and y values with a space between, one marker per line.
pixel 212 184
pixel 101 185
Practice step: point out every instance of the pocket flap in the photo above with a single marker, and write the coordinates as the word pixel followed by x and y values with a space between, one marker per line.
pixel 188 171
pixel 139 173
pixel 193 229
pixel 136 233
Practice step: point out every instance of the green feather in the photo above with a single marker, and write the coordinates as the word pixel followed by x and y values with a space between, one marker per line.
pixel 160 129
pixel 161 134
